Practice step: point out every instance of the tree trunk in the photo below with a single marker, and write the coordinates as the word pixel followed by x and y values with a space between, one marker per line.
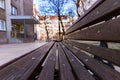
pixel 60 21
pixel 47 33
pixel 59 28
pixel 62 27
pixel 77 6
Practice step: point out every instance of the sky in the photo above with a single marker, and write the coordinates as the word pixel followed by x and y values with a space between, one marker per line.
pixel 43 7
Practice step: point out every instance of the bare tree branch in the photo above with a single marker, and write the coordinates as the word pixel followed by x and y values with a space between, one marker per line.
pixel 58 4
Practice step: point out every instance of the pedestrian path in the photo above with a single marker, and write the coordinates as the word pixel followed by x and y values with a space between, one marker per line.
pixel 9 52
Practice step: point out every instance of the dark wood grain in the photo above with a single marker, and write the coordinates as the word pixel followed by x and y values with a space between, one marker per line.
pixel 105 53
pixel 65 68
pixel 108 31
pixel 80 71
pixel 101 70
pixel 48 70
pixel 104 11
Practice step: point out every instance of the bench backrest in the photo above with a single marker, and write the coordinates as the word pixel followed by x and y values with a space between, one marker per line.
pixel 100 23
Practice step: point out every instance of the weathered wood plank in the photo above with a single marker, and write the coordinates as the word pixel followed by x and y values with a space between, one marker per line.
pixel 102 71
pixel 65 68
pixel 108 31
pixel 107 9
pixel 78 68
pixel 48 70
pixel 23 68
pixel 43 51
pixel 105 53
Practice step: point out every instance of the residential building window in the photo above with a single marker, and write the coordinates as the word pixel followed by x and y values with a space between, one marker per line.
pixel 2 4
pixel 2 25
pixel 13 10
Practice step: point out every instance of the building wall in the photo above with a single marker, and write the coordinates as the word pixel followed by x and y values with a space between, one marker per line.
pixel 28 11
pixel 8 21
pixel 25 8
pixel 14 2
pixel 52 26
pixel 28 7
pixel 30 32
pixel 2 14
pixel 19 5
pixel 3 35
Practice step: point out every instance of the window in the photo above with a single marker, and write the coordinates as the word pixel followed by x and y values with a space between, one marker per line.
pixel 2 4
pixel 13 10
pixel 2 25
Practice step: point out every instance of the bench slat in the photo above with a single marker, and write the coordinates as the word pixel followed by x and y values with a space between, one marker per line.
pixel 101 70
pixel 107 9
pixel 78 68
pixel 65 69
pixel 23 68
pixel 108 31
pixel 105 53
pixel 29 74
pixel 48 70
pixel 97 3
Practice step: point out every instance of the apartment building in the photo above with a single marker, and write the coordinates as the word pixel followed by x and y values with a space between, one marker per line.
pixel 3 37
pixel 52 26
pixel 17 21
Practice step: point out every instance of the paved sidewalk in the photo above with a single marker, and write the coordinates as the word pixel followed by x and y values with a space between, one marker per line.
pixel 9 52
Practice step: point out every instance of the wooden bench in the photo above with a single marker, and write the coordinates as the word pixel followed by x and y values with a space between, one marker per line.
pixel 73 59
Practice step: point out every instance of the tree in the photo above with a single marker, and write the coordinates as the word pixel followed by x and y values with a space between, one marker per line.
pixel 45 20
pixel 58 6
pixel 45 23
pixel 77 6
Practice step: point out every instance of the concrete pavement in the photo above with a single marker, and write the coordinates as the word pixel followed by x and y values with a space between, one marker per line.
pixel 9 52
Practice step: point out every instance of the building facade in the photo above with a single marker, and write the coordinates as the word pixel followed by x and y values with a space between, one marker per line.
pixel 3 37
pixel 52 26
pixel 17 20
